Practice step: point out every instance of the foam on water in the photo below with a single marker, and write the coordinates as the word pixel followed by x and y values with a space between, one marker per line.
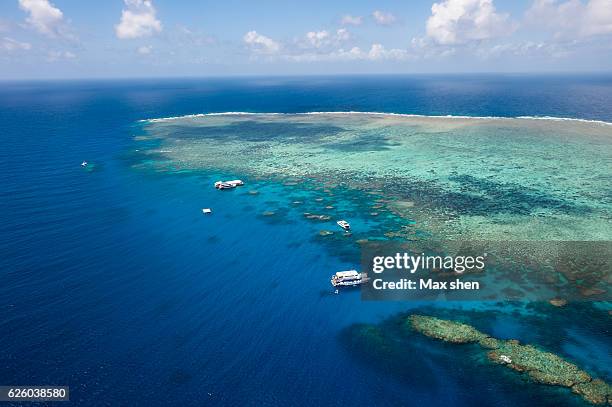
pixel 170 118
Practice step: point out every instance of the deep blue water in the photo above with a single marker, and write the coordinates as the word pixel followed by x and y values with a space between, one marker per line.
pixel 114 284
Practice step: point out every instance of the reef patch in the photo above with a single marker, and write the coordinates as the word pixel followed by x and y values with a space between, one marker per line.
pixel 540 366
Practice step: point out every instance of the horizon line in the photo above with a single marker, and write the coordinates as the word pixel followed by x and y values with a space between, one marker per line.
pixel 306 75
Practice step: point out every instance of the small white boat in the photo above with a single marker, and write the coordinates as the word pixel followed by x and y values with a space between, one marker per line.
pixel 505 359
pixel 224 185
pixel 344 224
pixel 84 164
pixel 206 211
pixel 228 184
pixel 348 278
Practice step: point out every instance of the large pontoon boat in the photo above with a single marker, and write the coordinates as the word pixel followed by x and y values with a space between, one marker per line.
pixel 348 278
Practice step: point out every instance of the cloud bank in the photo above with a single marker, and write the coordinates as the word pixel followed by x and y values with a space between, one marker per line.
pixel 572 18
pixel 43 16
pixel 260 43
pixel 462 21
pixel 137 20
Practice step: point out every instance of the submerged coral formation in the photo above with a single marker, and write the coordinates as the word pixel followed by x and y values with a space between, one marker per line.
pixel 558 302
pixel 541 366
pixel 448 331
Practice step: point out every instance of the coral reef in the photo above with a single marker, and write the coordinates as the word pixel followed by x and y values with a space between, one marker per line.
pixel 558 302
pixel 541 366
pixel 448 331
pixel 313 216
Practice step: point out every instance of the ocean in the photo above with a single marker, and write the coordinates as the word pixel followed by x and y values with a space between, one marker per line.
pixel 116 285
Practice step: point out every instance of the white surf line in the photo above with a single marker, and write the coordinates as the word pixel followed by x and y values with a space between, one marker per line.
pixel 552 118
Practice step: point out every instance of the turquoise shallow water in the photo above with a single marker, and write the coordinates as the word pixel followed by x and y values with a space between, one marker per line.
pixel 116 284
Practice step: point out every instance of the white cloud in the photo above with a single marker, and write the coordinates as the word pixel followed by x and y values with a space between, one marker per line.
pixel 53 56
pixel 383 18
pixel 43 16
pixel 261 43
pixel 375 53
pixel 426 48
pixel 317 38
pixel 144 50
pixel 572 18
pixel 9 44
pixel 137 20
pixel 351 20
pixel 598 17
pixel 462 21
pixel 335 55
pixel 342 34
pixel 321 39
pixel 525 49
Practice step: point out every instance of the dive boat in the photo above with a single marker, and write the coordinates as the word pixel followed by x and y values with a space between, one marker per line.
pixel 224 185
pixel 348 278
pixel 84 164
pixel 344 224
pixel 228 184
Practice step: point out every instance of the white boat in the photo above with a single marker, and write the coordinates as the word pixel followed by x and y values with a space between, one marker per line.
pixel 348 278
pixel 344 224
pixel 206 211
pixel 224 185
pixel 84 164
pixel 228 184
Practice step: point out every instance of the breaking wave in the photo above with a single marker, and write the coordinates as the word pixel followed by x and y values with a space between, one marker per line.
pixel 552 118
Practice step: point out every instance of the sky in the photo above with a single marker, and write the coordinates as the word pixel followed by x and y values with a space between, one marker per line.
pixel 166 38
